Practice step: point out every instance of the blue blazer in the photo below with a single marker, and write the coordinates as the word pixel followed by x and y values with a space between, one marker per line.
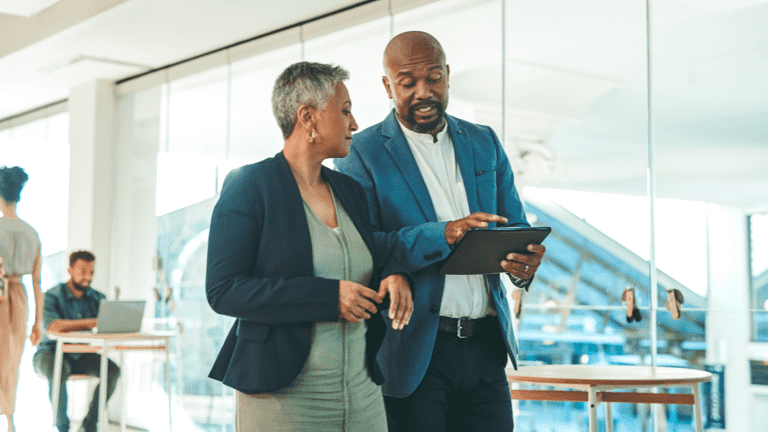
pixel 260 271
pixel 381 160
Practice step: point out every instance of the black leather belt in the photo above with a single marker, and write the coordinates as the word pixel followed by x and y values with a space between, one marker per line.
pixel 461 327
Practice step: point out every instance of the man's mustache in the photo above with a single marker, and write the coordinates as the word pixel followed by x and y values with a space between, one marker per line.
pixel 428 103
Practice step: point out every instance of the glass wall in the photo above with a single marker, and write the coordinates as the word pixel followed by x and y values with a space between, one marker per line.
pixel 39 143
pixel 708 62
pixel 644 150
pixel 758 254
pixel 22 143
pixel 575 124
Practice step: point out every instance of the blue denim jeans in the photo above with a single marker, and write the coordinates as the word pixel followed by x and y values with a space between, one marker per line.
pixel 84 364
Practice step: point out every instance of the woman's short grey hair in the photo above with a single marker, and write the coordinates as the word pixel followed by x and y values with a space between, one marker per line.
pixel 304 83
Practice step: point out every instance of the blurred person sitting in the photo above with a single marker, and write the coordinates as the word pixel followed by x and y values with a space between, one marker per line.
pixel 19 255
pixel 72 306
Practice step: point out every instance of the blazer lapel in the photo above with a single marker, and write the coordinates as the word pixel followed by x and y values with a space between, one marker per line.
pixel 462 149
pixel 288 192
pixel 401 153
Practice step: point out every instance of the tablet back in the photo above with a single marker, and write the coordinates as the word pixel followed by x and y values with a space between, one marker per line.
pixel 481 250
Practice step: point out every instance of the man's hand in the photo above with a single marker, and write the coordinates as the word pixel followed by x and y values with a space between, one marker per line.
pixel 36 334
pixel 400 300
pixel 63 326
pixel 523 266
pixel 455 230
pixel 356 301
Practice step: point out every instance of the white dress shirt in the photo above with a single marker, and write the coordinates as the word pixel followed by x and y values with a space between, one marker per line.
pixel 463 296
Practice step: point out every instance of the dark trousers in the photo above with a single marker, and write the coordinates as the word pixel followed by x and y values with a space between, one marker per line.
pixel 465 387
pixel 84 364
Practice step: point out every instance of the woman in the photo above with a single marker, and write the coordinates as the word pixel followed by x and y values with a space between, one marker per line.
pixel 20 253
pixel 292 256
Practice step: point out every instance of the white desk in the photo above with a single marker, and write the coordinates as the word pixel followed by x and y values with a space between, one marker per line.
pixel 594 382
pixel 101 343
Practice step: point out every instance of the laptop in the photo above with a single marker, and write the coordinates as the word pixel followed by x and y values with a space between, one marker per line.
pixel 118 316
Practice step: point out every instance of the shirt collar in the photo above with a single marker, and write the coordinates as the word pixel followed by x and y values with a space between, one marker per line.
pixel 423 138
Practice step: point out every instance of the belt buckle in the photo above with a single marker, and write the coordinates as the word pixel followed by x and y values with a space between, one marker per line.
pixel 459 328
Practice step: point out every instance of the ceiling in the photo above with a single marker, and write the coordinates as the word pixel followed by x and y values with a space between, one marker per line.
pixel 25 8
pixel 49 47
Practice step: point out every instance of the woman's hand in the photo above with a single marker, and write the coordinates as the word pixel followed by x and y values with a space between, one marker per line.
pixel 36 334
pixel 356 301
pixel 3 281
pixel 400 300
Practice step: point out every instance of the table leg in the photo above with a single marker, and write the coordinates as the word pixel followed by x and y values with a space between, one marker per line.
pixel 608 418
pixel 592 400
pixel 103 388
pixel 123 392
pixel 56 384
pixel 168 381
pixel 696 407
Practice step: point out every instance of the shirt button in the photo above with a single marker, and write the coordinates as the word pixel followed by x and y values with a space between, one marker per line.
pixel 433 309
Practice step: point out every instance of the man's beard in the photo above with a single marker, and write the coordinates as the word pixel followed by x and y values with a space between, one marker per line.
pixel 79 287
pixel 426 127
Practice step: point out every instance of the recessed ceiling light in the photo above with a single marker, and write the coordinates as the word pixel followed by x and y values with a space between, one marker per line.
pixel 76 59
pixel 26 8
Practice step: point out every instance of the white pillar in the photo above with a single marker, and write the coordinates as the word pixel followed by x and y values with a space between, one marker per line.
pixel 728 330
pixel 134 228
pixel 91 133
pixel 134 224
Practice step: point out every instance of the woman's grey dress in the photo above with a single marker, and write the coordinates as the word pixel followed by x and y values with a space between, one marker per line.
pixel 334 391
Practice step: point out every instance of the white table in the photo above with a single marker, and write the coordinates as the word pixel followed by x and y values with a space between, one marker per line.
pixel 595 382
pixel 71 342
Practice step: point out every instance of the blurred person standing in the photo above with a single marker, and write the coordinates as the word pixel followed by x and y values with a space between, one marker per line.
pixel 429 178
pixel 19 255
pixel 292 256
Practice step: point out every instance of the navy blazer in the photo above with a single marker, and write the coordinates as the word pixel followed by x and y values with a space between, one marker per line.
pixel 401 208
pixel 260 271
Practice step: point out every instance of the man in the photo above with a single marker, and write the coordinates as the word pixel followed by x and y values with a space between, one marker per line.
pixel 430 178
pixel 71 306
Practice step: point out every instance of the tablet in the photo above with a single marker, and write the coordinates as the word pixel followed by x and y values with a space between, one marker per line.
pixel 481 250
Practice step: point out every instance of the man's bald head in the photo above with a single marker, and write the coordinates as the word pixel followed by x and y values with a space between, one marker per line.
pixel 416 79
pixel 409 45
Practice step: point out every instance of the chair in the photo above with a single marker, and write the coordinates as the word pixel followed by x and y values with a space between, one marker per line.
pixel 80 384
pixel 74 396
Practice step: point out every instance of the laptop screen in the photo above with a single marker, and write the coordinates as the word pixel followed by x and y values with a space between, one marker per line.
pixel 123 316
